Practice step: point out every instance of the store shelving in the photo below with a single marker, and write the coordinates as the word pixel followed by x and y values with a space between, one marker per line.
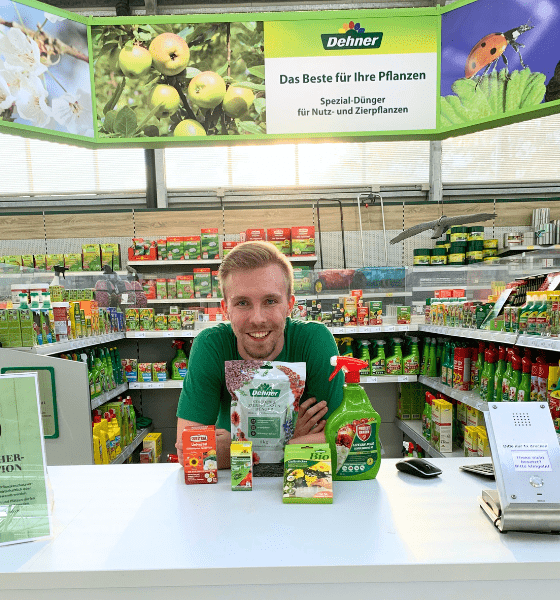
pixel 471 398
pixel 140 435
pixel 537 341
pixel 156 385
pixel 518 249
pixel 107 396
pixel 413 429
pixel 51 274
pixel 388 378
pixel 56 347
pixel 204 261
pixel 374 329
pixel 501 337
pixel 170 333
pixel 183 300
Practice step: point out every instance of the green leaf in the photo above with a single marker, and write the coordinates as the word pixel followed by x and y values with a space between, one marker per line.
pixel 162 28
pixel 260 105
pixel 222 70
pixel 125 122
pixel 115 97
pixel 191 72
pixel 257 71
pixel 248 127
pixel 186 32
pixel 143 36
pixel 257 87
pixel 107 49
pixel 109 122
pixel 151 131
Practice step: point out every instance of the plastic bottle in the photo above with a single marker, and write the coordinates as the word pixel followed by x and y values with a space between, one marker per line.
pixel 536 308
pixel 352 431
pixel 515 378
pixel 118 364
pixel 445 361
pixel 425 356
pixel 103 432
pixel 132 417
pixel 109 368
pixel 97 448
pixel 377 363
pixel 394 363
pixel 411 362
pixel 427 417
pixel 524 389
pixel 114 434
pixel 499 374
pixel 524 313
pixel 544 314
pixel 478 363
pixel 535 379
pixel 432 364
pixel 506 378
pixel 542 389
pixel 487 377
pixel 125 429
pixel 363 354
pixel 179 364
pixel 347 347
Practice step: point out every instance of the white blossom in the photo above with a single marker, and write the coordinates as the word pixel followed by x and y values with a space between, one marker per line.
pixel 6 98
pixel 15 77
pixel 21 51
pixel 31 102
pixel 74 111
pixel 54 18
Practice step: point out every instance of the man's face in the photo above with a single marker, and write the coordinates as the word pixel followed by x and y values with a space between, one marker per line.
pixel 257 304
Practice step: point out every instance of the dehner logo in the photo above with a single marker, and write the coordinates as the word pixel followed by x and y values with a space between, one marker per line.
pixel 265 391
pixel 351 35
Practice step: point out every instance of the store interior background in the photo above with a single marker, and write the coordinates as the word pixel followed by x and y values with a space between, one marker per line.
pixel 54 197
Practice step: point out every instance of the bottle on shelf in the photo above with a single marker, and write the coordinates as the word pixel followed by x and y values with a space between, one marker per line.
pixel 477 364
pixel 515 378
pixel 411 362
pixel 377 363
pixel 487 376
pixel 394 362
pixel 524 389
pixel 524 312
pixel 499 374
pixel 506 380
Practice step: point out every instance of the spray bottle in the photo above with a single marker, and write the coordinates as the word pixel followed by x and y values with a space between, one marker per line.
pixel 347 347
pixel 411 362
pixel 394 363
pixel 432 359
pixel 499 374
pixel 180 363
pixel 487 377
pixel 352 430
pixel 425 356
pixel 524 389
pixel 377 365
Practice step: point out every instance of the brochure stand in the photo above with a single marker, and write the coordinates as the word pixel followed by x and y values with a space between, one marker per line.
pixel 526 458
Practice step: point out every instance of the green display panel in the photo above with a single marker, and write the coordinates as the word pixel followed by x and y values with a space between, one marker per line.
pixel 425 73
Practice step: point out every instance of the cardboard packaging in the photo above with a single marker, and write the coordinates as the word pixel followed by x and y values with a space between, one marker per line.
pixel 307 474
pixel 91 257
pixel 227 247
pixel 200 460
pixel 281 238
pixel 209 243
pixel 253 235
pixel 303 241
pixel 111 255
pixel 442 425
pixel 202 283
pixel 154 441
pixel 241 460
pixel 191 247
pixel 175 248
pixel 185 286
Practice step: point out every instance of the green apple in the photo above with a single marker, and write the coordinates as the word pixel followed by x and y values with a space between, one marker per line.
pixel 170 53
pixel 238 100
pixel 135 61
pixel 166 98
pixel 207 89
pixel 189 127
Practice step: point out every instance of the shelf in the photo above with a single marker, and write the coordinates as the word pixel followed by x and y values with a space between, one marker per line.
pixel 537 341
pixel 56 347
pixel 471 398
pixel 518 249
pixel 476 334
pixel 140 435
pixel 474 267
pixel 388 378
pixel 106 396
pixel 155 385
pixel 373 329
pixel 183 300
pixel 179 333
pixel 51 274
pixel 413 429
pixel 437 286
pixel 365 296
pixel 202 261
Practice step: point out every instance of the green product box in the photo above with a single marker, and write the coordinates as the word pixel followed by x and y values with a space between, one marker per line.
pixel 146 319
pixel 40 261
pixel 13 259
pixel 191 247
pixel 14 328
pixel 375 312
pixel 160 322
pixel 171 289
pixel 28 333
pixel 241 461
pixel 404 404
pixel 302 280
pixel 73 262
pixel 4 327
pixel 209 243
pixel 307 474
pixel 202 283
pixel 185 286
pixel 27 260
pixel 303 241
pixel 161 289
pixel 403 315
pixel 132 318
pixel 91 257
pixel 174 322
pixel 88 294
pixel 111 255
pixel 216 291
pixel 162 249
pixel 72 295
pixel 188 317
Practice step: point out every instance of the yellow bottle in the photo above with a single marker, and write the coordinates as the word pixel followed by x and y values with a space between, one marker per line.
pixel 117 430
pixel 115 442
pixel 101 426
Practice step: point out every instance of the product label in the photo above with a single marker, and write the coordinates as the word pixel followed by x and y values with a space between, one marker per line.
pixel 520 395
pixel 393 367
pixel 356 448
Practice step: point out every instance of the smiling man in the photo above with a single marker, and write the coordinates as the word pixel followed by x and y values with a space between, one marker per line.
pixel 257 286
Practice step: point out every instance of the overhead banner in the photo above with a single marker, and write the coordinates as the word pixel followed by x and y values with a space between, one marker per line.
pixel 425 73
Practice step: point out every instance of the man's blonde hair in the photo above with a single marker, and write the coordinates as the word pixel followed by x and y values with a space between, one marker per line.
pixel 255 255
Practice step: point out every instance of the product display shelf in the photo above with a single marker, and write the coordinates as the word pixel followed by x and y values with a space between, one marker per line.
pixel 106 396
pixel 475 334
pixel 140 435
pixel 537 341
pixel 518 249
pixel 471 398
pixel 204 261
pixel 365 296
pixel 454 269
pixel 56 347
pixel 183 300
pixel 437 286
pixel 388 378
pixel 373 329
pixel 50 274
pixel 413 429
pixel 169 333
pixel 156 385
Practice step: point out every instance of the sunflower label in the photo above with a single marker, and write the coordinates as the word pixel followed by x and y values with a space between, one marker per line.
pixel 307 474
pixel 199 454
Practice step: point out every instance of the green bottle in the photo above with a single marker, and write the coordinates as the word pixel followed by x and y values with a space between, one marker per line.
pixel 476 371
pixel 347 347
pixel 100 366
pixel 487 377
pixel 499 374
pixel 394 363
pixel 179 364
pixel 515 378
pixel 377 363
pixel 536 308
pixel 411 362
pixel 524 389
pixel 352 430
pixel 118 364
pixel 507 377
pixel 91 381
pixel 109 368
pixel 432 362
pixel 425 356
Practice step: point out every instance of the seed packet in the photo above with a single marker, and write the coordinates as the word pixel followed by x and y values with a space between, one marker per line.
pixel 307 474
pixel 265 399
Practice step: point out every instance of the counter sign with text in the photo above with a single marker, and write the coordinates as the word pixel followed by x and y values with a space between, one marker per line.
pixel 326 76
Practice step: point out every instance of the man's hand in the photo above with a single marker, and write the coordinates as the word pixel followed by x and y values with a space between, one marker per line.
pixel 310 422
pixel 223 443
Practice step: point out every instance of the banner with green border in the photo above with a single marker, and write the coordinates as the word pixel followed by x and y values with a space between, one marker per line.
pixel 224 79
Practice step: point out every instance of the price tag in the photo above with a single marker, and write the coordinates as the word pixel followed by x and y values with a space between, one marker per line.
pixel 140 334
pixel 371 379
pixel 351 329
pixel 403 327
pixel 366 329
pixel 134 385
pixel 169 334
pixel 389 328
pixel 155 384
pixel 375 329
pixel 402 378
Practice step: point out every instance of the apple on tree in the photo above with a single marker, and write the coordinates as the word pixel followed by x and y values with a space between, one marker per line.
pixel 166 98
pixel 238 100
pixel 134 60
pixel 189 127
pixel 170 53
pixel 206 90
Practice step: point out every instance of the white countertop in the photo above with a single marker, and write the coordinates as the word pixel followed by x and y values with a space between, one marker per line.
pixel 140 526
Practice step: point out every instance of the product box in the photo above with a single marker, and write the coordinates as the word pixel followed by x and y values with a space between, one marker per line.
pixel 403 315
pixel 185 286
pixel 313 309
pixel 161 289
pixel 111 255
pixel 375 312
pixel 130 369
pixel 13 259
pixel 55 259
pixel 350 311
pixel 172 289
pixel 146 317
pixel 337 315
pixel 404 403
pixel 483 446
pixel 27 260
pixel 227 247
pixel 200 460
pixel 442 425
pixel 175 248
pixel 28 333
pixel 474 417
pixel 241 460
pixel 470 442
pixel 191 247
pixel 159 371
pixel 162 249
pixel 145 372
pixel 302 280
pixel 216 291
pixel 40 261
pixel 73 262
pixel 154 441
pixel 303 241
pixel 188 317
pixel 91 257
pixel 252 235
pixel 160 322
pixel 174 322
pixel 147 456
pixel 281 238
pixel 209 243
pixel 132 318
pixel 202 283
pixel 214 313
pixel 149 288
pixel 4 327
pixel 363 316
pixel 307 474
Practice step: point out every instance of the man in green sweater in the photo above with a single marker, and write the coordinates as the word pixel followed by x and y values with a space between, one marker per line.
pixel 257 286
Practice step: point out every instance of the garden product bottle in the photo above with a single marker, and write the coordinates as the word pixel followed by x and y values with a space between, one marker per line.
pixel 499 374
pixel 536 308
pixel 478 363
pixel 411 362
pixel 507 377
pixel 487 377
pixel 394 363
pixel 427 417
pixel 450 363
pixel 425 356
pixel 132 417
pixel 101 426
pixel 377 364
pixel 544 314
pixel 97 449
pixel 515 378
pixel 524 389
pixel 431 369
pixel 542 389
pixel 117 430
pixel 524 312
pixel 109 368
pixel 347 347
pixel 363 354
pixel 180 363
pixel 352 430
pixel 114 433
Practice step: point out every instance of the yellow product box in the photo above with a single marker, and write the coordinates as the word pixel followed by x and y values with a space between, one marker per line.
pixel 474 417
pixel 132 318
pixel 160 322
pixel 174 322
pixel 27 260
pixel 307 474
pixel 111 255
pixel 40 261
pixel 153 440
pixel 350 311
pixel 241 460
pixel 91 257
pixel 73 262
pixel 442 425
pixel 146 319
pixel 13 259
pixel 461 412
pixel 470 444
pixel 483 447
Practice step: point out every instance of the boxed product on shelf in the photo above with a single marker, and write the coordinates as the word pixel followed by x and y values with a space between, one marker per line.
pixel 214 313
pixel 27 260
pixel 154 441
pixel 185 286
pixel 111 255
pixel 303 241
pixel 363 315
pixel 149 287
pixel 227 247
pixel 162 249
pixel 350 311
pixel 54 260
pixel 145 372
pixel 146 317
pixel 216 291
pixel 442 425
pixel 474 417
pixel 403 315
pixel 202 283
pixel 175 248
pixel 209 243
pixel 171 289
pixel 188 317
pixel 375 312
pixel 161 288
pixel 174 322
pixel 91 257
pixel 159 371
pixel 132 318
pixel 470 442
pixel 191 247
pixel 302 280
pixel 281 238
pixel 73 262
pixel 40 261
pixel 130 369
pixel 253 235
pixel 482 446
pixel 337 315
pixel 160 322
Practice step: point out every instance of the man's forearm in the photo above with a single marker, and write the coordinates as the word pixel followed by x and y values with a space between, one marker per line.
pixel 309 438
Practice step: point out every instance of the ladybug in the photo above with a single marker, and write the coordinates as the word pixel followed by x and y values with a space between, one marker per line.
pixel 488 50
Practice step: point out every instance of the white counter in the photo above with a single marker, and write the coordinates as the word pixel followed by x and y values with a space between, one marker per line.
pixel 137 531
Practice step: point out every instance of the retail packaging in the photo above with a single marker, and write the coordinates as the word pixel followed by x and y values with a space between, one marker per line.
pixel 375 312
pixel 154 441
pixel 227 247
pixel 191 247
pixel 91 257
pixel 40 261
pixel 199 454
pixel 146 317
pixel 174 322
pixel 470 441
pixel 302 280
pixel 403 315
pixel 202 283
pixel 281 238
pixel 149 287
pixel 241 461
pixel 185 286
pixel 161 289
pixel 172 289
pixel 252 235
pixel 216 291
pixel 442 425
pixel 209 243
pixel 162 249
pixel 188 317
pixel 159 371
pixel 482 446
pixel 303 241
pixel 27 260
pixel 362 316
pixel 337 315
pixel 175 248
pixel 160 322
pixel 73 262
pixel 132 317
pixel 422 256
pixel 145 372
pixel 350 311
pixel 307 474
pixel 55 260
pixel 147 456
pixel 111 255
pixel 130 369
